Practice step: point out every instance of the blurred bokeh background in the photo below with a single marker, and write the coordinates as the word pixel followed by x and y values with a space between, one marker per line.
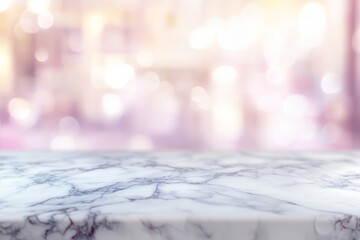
pixel 169 74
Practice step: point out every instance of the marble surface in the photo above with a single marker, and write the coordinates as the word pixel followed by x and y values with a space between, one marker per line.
pixel 180 195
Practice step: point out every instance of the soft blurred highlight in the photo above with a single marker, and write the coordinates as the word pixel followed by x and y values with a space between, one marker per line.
pixel 169 74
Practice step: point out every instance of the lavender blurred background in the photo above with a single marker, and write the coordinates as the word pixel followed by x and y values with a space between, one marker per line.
pixel 190 74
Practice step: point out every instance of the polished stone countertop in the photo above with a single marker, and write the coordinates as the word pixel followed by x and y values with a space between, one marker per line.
pixel 180 195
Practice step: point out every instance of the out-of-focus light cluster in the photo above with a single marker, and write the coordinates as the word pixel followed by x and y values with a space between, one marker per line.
pixel 331 84
pixel 118 74
pixel 112 105
pixel 224 74
pixel 185 74
pixel 21 112
pixel 45 20
pixel 312 22
pixel 4 5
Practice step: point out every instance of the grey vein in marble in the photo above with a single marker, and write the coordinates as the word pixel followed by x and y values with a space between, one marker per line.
pixel 180 195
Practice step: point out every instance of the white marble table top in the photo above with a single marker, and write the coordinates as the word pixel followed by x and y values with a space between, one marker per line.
pixel 180 195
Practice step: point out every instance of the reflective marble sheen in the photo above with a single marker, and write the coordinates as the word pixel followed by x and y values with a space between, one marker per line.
pixel 180 195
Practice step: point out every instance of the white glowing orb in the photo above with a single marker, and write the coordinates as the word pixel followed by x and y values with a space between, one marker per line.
pixel 5 5
pixel 69 124
pixel 224 74
pixel 38 6
pixel 312 23
pixel 204 37
pixel 296 105
pixel 118 74
pixel 41 55
pixel 21 112
pixel 331 84
pixel 28 22
pixel 45 20
pixel 227 120
pixel 94 23
pixel 112 106
pixel 201 38
pixel 243 31
pixel 145 59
